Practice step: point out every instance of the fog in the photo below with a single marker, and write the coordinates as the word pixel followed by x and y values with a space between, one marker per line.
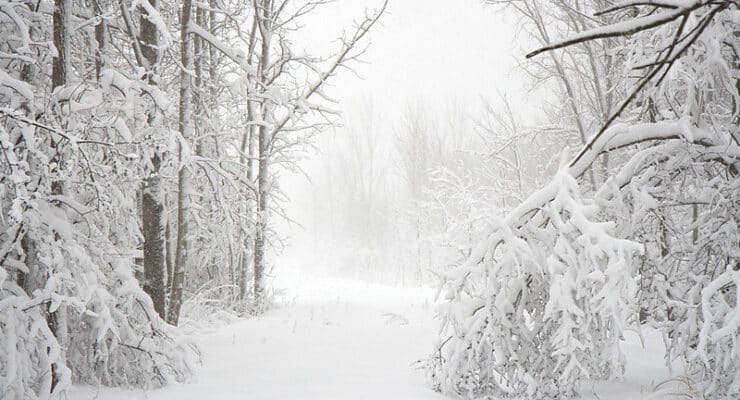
pixel 438 62
pixel 369 199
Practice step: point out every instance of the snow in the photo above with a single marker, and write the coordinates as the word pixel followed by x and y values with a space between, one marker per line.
pixel 328 338
pixel 646 376
pixel 155 18
pixel 235 55
pixel 23 88
pixel 331 338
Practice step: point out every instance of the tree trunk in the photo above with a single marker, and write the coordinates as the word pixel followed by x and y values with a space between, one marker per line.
pixel 199 117
pixel 249 154
pixel 152 204
pixel 154 242
pixel 60 63
pixel 262 211
pixel 249 158
pixel 60 67
pixel 246 159
pixel 101 36
pixel 184 179
pixel 261 224
pixel 169 251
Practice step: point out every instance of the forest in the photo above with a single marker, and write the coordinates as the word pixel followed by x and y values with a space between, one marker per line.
pixel 371 199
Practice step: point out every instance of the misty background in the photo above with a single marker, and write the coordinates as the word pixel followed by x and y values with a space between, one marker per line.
pixel 360 202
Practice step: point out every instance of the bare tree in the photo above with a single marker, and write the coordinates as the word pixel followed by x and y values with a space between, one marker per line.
pixel 584 73
pixel 281 123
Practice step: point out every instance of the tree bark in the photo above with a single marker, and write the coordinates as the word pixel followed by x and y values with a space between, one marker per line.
pixel 60 63
pixel 247 150
pixel 264 12
pixel 261 224
pixel 152 204
pixel 60 68
pixel 249 158
pixel 152 217
pixel 101 37
pixel 182 256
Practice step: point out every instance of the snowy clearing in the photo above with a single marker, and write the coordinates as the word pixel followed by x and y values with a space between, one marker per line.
pixel 335 338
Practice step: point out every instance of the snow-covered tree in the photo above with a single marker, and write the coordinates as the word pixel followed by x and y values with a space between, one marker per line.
pixel 128 182
pixel 71 307
pixel 288 105
pixel 585 78
pixel 542 301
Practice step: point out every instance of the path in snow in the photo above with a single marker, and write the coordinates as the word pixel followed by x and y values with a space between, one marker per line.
pixel 330 339
pixel 341 339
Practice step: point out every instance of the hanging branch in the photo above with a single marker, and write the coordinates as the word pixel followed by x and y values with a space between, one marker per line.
pixel 664 60
pixel 627 28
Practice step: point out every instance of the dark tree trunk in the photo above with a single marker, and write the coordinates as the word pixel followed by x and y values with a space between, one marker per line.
pixel 152 204
pixel 60 68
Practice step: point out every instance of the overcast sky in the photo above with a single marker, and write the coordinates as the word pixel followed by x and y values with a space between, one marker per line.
pixel 423 51
pixel 430 49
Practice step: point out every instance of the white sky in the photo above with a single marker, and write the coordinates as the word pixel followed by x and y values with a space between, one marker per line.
pixel 432 50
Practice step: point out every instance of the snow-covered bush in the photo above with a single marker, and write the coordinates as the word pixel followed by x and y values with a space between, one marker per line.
pixel 30 348
pixel 210 307
pixel 541 303
pixel 692 197
pixel 683 208
pixel 667 216
pixel 681 205
pixel 543 306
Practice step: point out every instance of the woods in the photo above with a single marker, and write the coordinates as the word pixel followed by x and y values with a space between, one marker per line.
pixel 129 181
pixel 150 151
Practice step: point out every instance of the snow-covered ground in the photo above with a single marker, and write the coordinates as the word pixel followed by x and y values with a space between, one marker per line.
pixel 340 339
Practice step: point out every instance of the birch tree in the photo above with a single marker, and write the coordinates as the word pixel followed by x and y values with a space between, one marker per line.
pixel 184 180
